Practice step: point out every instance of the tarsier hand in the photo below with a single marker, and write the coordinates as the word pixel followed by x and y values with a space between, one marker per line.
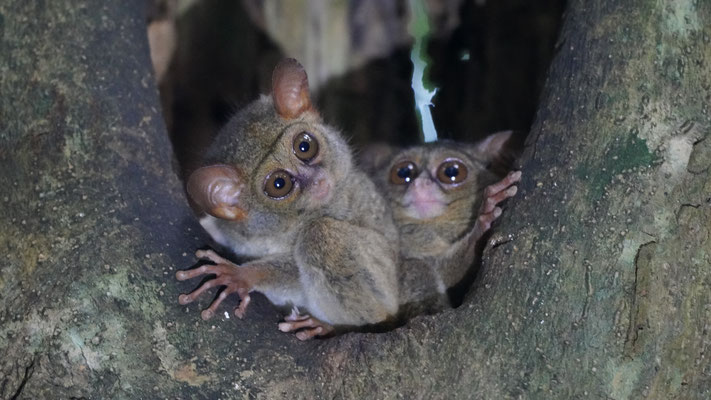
pixel 493 195
pixel 235 279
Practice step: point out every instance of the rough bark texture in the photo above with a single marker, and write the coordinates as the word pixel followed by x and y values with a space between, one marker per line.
pixel 598 285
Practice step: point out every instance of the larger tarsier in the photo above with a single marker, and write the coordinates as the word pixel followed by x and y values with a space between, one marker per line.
pixel 280 188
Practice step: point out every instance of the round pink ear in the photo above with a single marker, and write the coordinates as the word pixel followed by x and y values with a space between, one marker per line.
pixel 290 89
pixel 216 189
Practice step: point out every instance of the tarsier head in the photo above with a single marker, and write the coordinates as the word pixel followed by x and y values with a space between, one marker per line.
pixel 443 179
pixel 276 157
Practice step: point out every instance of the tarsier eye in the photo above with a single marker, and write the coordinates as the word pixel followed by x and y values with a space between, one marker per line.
pixel 452 171
pixel 403 172
pixel 278 184
pixel 305 146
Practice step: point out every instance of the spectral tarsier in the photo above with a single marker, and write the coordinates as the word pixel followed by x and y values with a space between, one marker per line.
pixel 280 188
pixel 444 198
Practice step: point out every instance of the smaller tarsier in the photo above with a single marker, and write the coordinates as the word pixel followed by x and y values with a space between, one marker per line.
pixel 444 197
pixel 279 188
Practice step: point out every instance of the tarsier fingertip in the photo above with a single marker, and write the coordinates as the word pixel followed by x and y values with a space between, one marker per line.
pixel 184 299
pixel 206 314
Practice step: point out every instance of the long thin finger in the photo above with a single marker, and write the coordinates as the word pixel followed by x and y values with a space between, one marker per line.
pixel 212 256
pixel 290 326
pixel 191 273
pixel 219 269
pixel 296 317
pixel 490 202
pixel 483 223
pixel 511 178
pixel 212 309
pixel 242 308
pixel 307 334
pixel 190 297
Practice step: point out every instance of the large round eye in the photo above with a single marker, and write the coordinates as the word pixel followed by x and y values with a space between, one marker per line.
pixel 452 171
pixel 278 184
pixel 305 146
pixel 403 172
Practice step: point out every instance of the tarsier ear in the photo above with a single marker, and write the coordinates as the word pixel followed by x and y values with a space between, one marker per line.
pixel 290 89
pixel 499 150
pixel 216 190
pixel 375 156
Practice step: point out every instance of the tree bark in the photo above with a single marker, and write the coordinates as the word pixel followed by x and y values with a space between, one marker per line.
pixel 597 284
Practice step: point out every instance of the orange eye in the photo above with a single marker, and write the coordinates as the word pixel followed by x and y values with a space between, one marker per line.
pixel 305 146
pixel 403 172
pixel 452 171
pixel 278 184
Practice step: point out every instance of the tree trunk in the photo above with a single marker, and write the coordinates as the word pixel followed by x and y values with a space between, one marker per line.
pixel 597 284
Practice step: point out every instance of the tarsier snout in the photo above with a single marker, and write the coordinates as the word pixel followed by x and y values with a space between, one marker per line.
pixel 423 181
pixel 216 189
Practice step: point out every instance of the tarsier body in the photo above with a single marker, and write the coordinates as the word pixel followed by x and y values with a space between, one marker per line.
pixel 281 190
pixel 444 197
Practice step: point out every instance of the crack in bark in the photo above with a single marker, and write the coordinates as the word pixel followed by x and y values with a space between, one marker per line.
pixel 588 288
pixel 687 126
pixel 642 261
pixel 589 292
pixel 496 242
pixel 533 145
pixel 29 370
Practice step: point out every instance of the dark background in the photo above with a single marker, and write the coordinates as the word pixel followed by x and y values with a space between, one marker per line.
pixel 489 62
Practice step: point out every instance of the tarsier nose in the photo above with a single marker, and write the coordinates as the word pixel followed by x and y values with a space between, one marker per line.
pixel 423 181
pixel 321 187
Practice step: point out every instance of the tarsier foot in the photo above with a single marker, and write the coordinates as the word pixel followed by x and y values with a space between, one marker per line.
pixel 227 274
pixel 495 194
pixel 306 326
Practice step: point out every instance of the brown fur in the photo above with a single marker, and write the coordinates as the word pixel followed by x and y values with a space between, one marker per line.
pixel 334 257
pixel 437 253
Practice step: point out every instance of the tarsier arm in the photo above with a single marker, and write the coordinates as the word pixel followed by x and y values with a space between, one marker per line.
pixel 350 272
pixel 350 275
pixel 464 249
